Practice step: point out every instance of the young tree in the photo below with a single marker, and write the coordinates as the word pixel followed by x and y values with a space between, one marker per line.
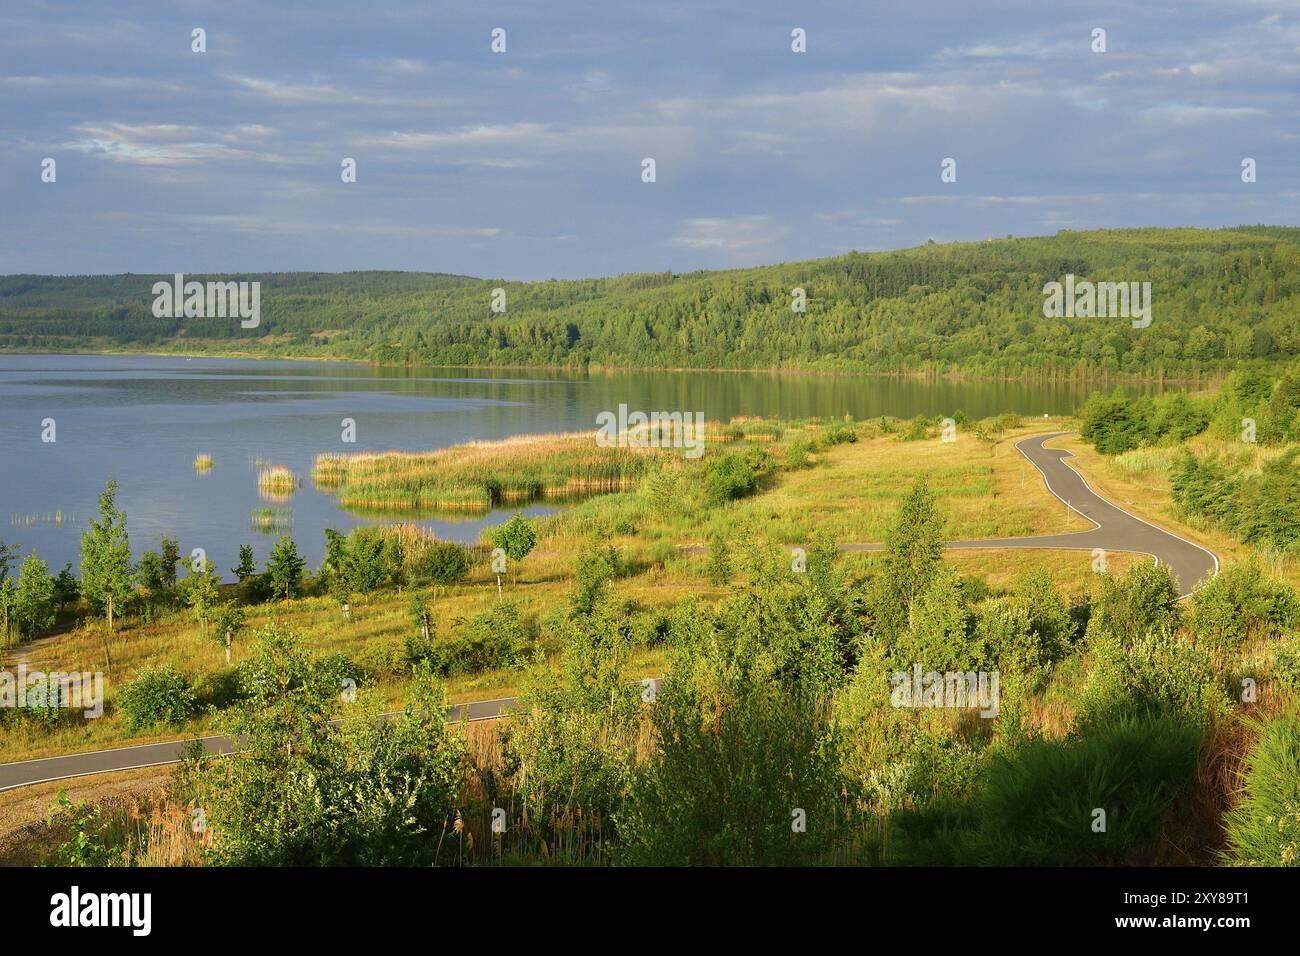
pixel 422 615
pixel 106 557
pixel 8 599
pixel 149 573
pixel 171 556
pixel 34 597
pixel 719 568
pixel 200 591
pixel 517 537
pixel 230 621
pixel 247 568
pixel 285 568
pixel 7 592
pixel 7 554
pixel 913 548
pixel 594 569
pixel 66 589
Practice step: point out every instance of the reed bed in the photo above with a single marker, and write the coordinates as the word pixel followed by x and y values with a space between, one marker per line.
pixel 277 482
pixel 478 476
pixel 52 519
pixel 270 519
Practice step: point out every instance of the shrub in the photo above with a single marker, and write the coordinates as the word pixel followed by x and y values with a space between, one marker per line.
pixel 497 638
pixel 719 568
pixel 364 559
pixel 308 792
pixel 1160 674
pixel 1113 424
pixel 1143 600
pixel 442 562
pixel 1264 828
pixel 916 429
pixel 729 476
pixel 755 785
pixel 158 695
pixel 1238 603
pixel 1036 803
pixel 594 569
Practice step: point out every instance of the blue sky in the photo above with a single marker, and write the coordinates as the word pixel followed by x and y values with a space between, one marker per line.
pixel 526 165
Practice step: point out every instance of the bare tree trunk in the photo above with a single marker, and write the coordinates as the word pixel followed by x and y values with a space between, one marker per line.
pixel 110 614
pixel 227 647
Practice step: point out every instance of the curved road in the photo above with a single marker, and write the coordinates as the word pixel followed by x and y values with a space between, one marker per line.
pixel 1116 530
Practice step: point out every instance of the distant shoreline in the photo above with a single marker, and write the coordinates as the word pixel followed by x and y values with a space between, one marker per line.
pixel 1209 380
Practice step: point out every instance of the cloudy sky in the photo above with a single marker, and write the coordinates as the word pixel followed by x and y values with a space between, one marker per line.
pixel 527 164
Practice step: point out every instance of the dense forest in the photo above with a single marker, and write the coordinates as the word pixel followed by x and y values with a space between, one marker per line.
pixel 1219 298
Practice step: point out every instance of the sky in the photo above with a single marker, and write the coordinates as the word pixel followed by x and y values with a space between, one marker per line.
pixel 527 164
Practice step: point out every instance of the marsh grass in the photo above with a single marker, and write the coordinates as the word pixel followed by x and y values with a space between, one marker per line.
pixel 50 519
pixel 267 520
pixel 478 476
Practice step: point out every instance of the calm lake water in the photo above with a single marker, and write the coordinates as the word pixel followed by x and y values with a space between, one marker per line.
pixel 142 419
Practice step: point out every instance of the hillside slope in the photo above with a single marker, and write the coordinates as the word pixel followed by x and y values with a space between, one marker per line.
pixel 1220 297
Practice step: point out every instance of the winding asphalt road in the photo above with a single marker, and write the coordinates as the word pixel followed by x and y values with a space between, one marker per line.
pixel 1116 530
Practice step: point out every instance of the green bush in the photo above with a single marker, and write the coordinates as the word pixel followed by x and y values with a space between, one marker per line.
pixel 757 785
pixel 1144 600
pixel 1161 674
pixel 1264 828
pixel 158 695
pixel 495 639
pixel 1239 603
pixel 729 476
pixel 442 562
pixel 1037 803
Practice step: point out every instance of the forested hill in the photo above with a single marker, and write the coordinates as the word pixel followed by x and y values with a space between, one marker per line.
pixel 1220 298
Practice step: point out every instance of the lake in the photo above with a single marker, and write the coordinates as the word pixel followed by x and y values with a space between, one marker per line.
pixel 142 420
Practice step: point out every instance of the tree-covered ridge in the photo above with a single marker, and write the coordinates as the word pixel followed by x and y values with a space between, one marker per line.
pixel 1220 297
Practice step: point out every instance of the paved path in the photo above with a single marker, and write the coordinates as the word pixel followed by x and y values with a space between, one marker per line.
pixel 1116 530
pixel 45 769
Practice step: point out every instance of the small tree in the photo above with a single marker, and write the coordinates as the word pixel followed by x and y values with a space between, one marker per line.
pixel 106 576
pixel 517 537
pixel 171 556
pixel 149 573
pixel 8 600
pixel 66 590
pixel 913 548
pixel 595 568
pixel 422 615
pixel 7 553
pixel 719 568
pixel 285 568
pixel 247 567
pixel 230 621
pixel 34 597
pixel 200 591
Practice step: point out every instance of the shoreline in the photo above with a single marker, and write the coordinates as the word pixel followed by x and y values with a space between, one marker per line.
pixel 1206 380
